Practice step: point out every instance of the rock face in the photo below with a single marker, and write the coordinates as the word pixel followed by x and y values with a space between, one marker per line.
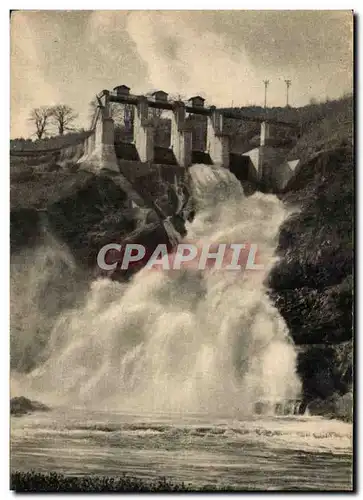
pixel 85 211
pixel 336 406
pixel 312 285
pixel 22 406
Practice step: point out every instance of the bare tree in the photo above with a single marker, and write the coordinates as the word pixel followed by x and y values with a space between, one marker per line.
pixel 40 118
pixel 63 117
pixel 121 113
pixel 178 97
pixel 155 113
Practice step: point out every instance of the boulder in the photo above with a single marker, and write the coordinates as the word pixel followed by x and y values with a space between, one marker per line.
pixel 337 406
pixel 22 406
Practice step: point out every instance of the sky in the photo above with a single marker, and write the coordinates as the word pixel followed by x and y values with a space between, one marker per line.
pixel 66 57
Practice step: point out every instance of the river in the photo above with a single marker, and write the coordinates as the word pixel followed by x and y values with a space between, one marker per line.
pixel 273 453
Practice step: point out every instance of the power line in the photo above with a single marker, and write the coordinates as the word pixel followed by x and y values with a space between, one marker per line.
pixel 288 84
pixel 266 83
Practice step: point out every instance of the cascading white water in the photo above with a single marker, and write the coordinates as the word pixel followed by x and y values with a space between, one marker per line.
pixel 39 278
pixel 179 341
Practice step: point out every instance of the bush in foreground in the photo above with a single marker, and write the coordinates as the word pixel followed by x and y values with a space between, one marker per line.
pixel 54 482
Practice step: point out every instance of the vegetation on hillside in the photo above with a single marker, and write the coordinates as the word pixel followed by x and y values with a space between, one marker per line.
pixel 303 116
pixel 48 143
pixel 327 126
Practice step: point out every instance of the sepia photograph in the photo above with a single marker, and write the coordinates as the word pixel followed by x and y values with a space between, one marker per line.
pixel 182 220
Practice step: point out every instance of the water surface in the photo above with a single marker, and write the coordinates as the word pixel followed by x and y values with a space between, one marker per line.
pixel 269 453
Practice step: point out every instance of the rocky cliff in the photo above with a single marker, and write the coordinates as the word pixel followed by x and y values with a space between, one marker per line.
pixel 312 285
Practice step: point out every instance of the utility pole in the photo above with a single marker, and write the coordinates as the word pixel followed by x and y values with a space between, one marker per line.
pixel 288 84
pixel 266 83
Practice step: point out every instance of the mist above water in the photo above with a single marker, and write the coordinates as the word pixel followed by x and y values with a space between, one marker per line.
pixel 180 341
pixel 44 281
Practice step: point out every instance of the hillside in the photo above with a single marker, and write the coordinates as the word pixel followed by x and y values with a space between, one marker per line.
pixel 48 143
pixel 332 127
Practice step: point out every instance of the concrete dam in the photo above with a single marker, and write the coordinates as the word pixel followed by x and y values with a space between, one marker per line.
pixel 263 162
pixel 258 155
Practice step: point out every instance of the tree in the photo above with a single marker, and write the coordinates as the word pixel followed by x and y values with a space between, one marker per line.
pixel 122 114
pixel 63 117
pixel 40 118
pixel 155 113
pixel 178 97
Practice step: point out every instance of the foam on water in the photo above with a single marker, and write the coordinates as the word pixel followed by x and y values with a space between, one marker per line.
pixel 308 434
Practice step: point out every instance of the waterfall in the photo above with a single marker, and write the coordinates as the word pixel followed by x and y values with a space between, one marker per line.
pixel 44 281
pixel 178 341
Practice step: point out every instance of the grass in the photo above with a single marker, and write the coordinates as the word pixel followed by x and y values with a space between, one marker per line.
pixel 48 143
pixel 55 482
